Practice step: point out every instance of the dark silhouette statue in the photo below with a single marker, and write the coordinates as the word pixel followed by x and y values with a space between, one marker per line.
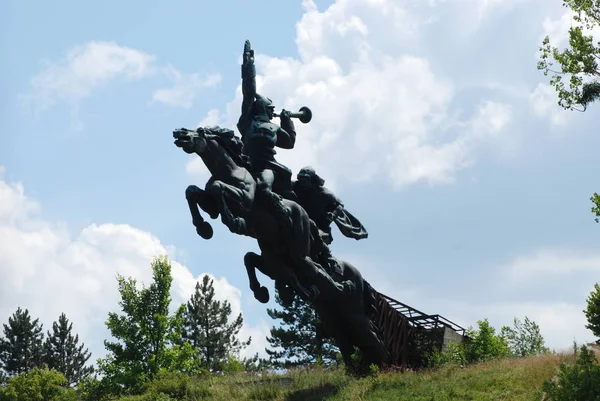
pixel 324 207
pixel 253 195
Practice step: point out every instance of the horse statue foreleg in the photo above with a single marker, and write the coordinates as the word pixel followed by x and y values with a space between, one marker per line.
pixel 252 261
pixel 225 195
pixel 197 197
pixel 272 266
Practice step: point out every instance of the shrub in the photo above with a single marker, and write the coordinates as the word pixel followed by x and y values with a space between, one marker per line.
pixel 579 381
pixel 38 384
pixel 485 344
pixel 454 354
pixel 178 386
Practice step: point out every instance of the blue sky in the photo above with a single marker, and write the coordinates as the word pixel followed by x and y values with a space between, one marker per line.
pixel 431 123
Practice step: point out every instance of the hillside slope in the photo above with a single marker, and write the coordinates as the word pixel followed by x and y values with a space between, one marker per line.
pixel 519 379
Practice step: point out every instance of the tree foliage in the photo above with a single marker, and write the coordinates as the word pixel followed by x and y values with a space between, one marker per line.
pixel 38 384
pixel 21 345
pixel 524 339
pixel 485 344
pixel 299 339
pixel 207 328
pixel 574 70
pixel 63 352
pixel 592 312
pixel 596 206
pixel 146 334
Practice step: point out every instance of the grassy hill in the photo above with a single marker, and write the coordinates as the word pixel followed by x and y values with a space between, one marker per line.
pixel 516 379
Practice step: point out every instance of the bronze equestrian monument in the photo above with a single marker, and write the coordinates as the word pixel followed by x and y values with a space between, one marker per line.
pixel 256 196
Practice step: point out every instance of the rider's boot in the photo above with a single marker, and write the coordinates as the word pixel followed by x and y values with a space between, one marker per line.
pixel 320 249
pixel 281 212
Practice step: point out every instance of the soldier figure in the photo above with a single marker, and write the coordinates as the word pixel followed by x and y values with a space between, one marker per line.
pixel 324 207
pixel 260 137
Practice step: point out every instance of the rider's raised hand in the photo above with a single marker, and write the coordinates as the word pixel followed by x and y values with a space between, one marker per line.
pixel 248 56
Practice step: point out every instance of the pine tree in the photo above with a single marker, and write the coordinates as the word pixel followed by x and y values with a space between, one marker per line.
pixel 207 329
pixel 21 346
pixel 62 352
pixel 299 340
pixel 592 312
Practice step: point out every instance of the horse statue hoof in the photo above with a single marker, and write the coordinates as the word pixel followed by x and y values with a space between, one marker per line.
pixel 262 295
pixel 205 230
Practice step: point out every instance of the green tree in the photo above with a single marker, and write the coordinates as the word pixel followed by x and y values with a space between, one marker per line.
pixel 21 345
pixel 592 312
pixel 38 384
pixel 524 339
pixel 206 327
pixel 578 62
pixel 299 340
pixel 63 353
pixel 145 333
pixel 485 344
pixel 596 207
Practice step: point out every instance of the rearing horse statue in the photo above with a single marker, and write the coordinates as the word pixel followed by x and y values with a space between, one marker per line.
pixel 230 193
pixel 286 256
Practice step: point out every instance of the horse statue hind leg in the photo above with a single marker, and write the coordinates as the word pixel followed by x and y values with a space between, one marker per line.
pixel 299 242
pixel 351 320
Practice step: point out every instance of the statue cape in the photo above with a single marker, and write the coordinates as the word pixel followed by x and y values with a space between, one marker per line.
pixel 350 226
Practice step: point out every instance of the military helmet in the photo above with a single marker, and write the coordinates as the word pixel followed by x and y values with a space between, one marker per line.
pixel 262 104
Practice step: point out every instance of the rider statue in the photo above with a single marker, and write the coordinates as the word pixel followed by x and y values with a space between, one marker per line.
pixel 323 207
pixel 260 137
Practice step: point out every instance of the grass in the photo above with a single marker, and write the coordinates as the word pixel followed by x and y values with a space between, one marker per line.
pixel 515 379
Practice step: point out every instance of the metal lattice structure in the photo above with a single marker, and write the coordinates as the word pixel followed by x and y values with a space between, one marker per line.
pixel 399 323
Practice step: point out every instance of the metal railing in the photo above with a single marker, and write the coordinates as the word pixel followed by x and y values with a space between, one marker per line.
pixel 421 319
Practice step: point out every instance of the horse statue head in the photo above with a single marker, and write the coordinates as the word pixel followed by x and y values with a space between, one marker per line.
pixel 197 141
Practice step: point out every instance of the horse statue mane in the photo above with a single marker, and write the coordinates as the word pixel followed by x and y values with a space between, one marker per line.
pixel 232 144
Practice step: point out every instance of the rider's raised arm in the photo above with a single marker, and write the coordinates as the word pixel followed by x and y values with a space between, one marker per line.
pixel 286 136
pixel 248 88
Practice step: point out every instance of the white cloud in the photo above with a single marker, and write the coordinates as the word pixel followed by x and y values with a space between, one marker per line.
pixel 544 101
pixel 46 270
pixel 86 68
pixel 474 13
pixel 96 64
pixel 185 88
pixel 549 262
pixel 378 112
